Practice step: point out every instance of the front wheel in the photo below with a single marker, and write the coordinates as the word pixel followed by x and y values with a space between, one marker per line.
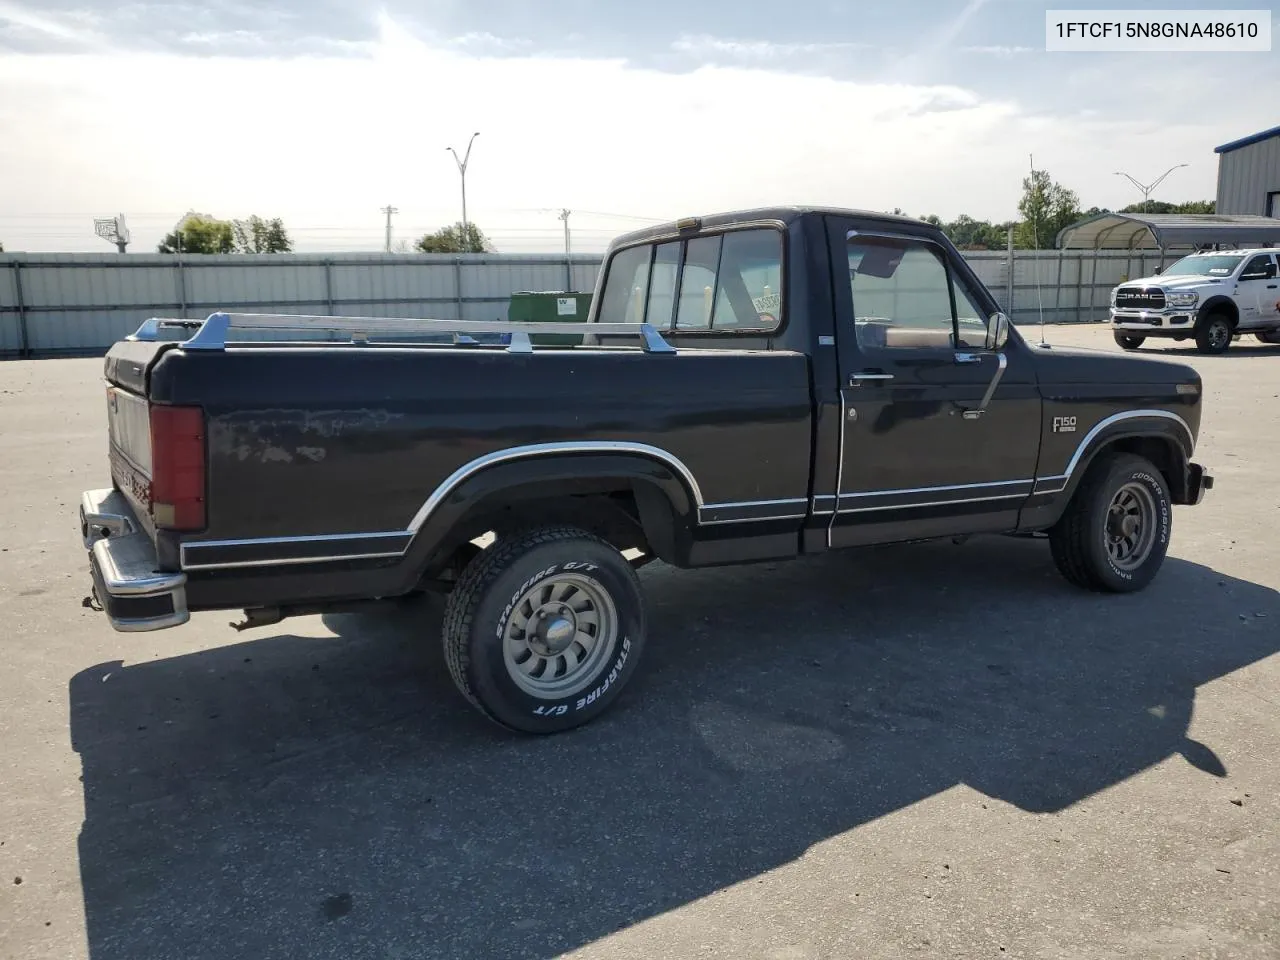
pixel 1129 341
pixel 1213 334
pixel 1115 531
pixel 544 629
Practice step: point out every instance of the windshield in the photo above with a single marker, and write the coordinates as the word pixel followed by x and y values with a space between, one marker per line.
pixel 1222 266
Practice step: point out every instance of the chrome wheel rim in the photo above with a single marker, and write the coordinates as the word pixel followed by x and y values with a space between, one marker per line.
pixel 1130 528
pixel 1219 333
pixel 560 634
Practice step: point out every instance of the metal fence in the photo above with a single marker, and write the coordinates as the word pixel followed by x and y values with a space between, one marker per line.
pixel 67 304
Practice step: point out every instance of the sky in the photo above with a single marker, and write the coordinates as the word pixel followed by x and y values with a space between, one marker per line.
pixel 322 113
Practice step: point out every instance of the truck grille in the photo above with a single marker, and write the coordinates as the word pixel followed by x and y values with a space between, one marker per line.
pixel 1140 298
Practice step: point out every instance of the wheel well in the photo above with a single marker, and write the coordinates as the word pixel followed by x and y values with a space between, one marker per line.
pixel 1221 305
pixel 615 509
pixel 1164 453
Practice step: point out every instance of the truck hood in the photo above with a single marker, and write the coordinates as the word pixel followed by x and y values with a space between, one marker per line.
pixel 1092 366
pixel 1181 282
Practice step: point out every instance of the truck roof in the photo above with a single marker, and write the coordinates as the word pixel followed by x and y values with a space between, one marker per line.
pixel 786 214
pixel 1246 252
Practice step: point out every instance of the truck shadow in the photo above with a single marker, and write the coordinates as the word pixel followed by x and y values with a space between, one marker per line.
pixel 1241 350
pixel 334 797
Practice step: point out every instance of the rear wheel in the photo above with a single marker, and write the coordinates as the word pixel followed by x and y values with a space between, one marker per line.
pixel 1130 341
pixel 544 629
pixel 1115 531
pixel 1214 332
pixel 1271 336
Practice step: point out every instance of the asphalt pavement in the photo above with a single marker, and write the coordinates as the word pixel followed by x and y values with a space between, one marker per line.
pixel 914 751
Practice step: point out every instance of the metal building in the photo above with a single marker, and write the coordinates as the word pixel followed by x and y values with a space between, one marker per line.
pixel 1249 174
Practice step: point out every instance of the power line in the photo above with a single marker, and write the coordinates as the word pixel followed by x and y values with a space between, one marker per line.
pixel 623 216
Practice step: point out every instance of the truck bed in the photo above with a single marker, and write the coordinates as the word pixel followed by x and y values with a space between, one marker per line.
pixel 325 454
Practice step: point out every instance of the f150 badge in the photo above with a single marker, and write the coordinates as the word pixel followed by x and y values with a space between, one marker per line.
pixel 1064 424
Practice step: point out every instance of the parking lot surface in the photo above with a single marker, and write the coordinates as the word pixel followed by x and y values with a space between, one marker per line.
pixel 915 751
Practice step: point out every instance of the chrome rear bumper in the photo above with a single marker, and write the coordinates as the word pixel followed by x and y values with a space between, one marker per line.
pixel 122 562
pixel 1199 481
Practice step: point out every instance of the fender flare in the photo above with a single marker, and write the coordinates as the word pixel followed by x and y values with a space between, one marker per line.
pixel 667 492
pixel 1163 426
pixel 1219 300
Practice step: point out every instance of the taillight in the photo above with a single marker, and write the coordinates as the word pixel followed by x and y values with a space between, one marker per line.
pixel 177 467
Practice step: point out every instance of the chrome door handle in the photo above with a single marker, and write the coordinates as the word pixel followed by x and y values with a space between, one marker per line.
pixel 855 378
pixel 968 358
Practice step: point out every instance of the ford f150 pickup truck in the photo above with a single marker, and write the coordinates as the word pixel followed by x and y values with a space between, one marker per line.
pixel 1213 296
pixel 751 386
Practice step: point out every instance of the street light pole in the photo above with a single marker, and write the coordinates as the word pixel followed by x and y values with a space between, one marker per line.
pixel 462 170
pixel 1145 188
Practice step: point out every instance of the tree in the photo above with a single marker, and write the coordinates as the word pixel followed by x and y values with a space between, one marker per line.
pixel 1046 208
pixel 452 240
pixel 970 234
pixel 1160 206
pixel 257 235
pixel 199 233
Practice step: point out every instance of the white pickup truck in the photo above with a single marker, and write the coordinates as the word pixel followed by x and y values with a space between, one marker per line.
pixel 1213 296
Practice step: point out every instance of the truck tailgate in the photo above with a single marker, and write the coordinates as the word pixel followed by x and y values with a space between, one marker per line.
pixel 128 418
pixel 129 430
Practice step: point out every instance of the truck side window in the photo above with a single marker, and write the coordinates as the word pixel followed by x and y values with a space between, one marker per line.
pixel 1259 268
pixel 902 297
pixel 971 322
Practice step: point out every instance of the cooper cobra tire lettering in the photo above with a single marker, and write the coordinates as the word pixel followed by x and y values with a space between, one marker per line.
pixel 1079 540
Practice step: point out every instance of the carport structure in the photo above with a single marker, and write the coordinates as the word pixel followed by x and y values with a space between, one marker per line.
pixel 1141 233
pixel 1169 231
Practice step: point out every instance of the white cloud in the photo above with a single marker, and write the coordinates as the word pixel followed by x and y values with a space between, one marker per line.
pixel 485 41
pixel 215 37
pixel 325 141
pixel 709 47
pixel 938 42
pixel 998 51
pixel 75 28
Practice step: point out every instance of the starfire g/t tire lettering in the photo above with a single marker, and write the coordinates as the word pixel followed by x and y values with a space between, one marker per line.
pixel 544 629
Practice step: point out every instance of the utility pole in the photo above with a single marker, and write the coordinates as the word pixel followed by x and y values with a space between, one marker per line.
pixel 389 210
pixel 568 265
pixel 462 170
pixel 564 215
pixel 1148 188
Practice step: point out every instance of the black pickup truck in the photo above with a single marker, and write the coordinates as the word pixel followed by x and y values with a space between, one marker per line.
pixel 752 386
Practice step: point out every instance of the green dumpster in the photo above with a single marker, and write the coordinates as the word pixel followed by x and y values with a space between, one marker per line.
pixel 550 306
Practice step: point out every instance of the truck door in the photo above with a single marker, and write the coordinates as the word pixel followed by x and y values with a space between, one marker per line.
pixel 1258 290
pixel 940 432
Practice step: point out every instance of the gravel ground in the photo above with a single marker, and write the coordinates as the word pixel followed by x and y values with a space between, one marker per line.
pixel 924 750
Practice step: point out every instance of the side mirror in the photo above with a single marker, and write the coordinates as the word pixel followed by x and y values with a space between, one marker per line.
pixel 997 331
pixel 1156 272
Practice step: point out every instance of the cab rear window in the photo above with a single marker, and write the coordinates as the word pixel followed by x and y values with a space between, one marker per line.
pixel 729 282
